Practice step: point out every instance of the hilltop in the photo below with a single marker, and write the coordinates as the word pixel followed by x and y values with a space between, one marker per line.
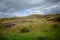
pixel 51 17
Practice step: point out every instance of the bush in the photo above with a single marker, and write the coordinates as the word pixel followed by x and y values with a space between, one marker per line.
pixel 57 19
pixel 55 26
pixel 44 38
pixel 41 38
pixel 25 30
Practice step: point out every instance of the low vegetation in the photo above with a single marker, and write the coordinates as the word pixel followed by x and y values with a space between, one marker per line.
pixel 33 27
pixel 25 30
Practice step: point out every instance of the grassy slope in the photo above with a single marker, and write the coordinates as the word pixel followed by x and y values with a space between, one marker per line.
pixel 38 26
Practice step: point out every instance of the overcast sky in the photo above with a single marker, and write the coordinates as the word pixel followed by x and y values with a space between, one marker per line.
pixel 10 8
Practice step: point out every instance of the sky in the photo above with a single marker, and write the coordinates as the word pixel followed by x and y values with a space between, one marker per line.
pixel 11 8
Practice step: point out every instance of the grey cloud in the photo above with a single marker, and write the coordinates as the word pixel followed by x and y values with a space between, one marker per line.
pixel 55 1
pixel 14 5
pixel 11 6
pixel 52 10
pixel 6 5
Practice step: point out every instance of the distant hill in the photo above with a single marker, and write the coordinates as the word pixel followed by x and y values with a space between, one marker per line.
pixel 33 27
pixel 49 17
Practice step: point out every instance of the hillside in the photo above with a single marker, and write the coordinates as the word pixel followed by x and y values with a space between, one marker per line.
pixel 33 27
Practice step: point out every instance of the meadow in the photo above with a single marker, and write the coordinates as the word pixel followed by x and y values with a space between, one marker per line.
pixel 33 27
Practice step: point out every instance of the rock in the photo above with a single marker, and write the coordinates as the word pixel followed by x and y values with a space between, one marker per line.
pixel 1 27
pixel 8 25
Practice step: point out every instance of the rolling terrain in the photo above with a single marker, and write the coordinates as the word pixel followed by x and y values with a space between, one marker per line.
pixel 33 27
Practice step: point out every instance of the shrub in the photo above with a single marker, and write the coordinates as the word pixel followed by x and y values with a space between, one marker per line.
pixel 55 26
pixel 25 30
pixel 41 38
pixel 44 38
pixel 57 19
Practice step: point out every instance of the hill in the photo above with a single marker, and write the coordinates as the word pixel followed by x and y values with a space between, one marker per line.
pixel 33 27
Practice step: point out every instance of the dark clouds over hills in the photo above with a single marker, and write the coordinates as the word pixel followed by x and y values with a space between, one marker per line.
pixel 8 7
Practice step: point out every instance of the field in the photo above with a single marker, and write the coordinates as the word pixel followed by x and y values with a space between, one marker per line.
pixel 33 27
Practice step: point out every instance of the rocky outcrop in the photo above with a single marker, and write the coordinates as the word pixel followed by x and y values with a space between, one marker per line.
pixel 7 25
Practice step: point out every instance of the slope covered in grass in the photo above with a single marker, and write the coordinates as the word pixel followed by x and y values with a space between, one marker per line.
pixel 34 27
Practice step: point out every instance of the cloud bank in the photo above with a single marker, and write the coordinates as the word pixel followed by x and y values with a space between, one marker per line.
pixel 10 8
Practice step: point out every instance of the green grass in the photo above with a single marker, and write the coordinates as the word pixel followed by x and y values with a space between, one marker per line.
pixel 43 31
pixel 38 29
